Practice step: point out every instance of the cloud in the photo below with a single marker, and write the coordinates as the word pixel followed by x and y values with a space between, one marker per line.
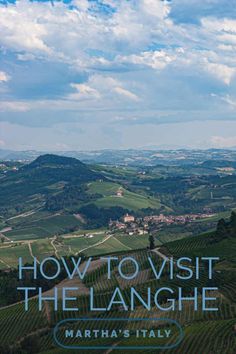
pixel 101 87
pixel 121 91
pixel 2 142
pixel 221 71
pixel 149 62
pixel 4 77
pixel 223 142
pixel 227 98
pixel 22 30
pixel 157 59
pixel 83 91
pixel 14 106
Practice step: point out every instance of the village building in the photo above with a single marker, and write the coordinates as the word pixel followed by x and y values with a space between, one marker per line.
pixel 129 218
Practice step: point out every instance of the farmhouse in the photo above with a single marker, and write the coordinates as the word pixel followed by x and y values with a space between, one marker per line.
pixel 120 192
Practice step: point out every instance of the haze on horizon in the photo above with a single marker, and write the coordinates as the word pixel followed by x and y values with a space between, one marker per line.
pixel 99 74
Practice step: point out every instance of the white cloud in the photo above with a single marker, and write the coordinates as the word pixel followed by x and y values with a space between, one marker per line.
pixel 221 71
pixel 223 142
pixel 83 92
pixel 219 25
pixel 154 59
pixel 227 98
pixel 4 77
pixel 121 91
pixel 22 29
pixel 101 87
pixel 14 106
pixel 2 142
pixel 37 29
pixel 159 9
pixel 81 4
pixel 137 57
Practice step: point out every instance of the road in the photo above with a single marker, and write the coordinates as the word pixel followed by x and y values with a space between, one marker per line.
pixel 163 256
pixel 96 244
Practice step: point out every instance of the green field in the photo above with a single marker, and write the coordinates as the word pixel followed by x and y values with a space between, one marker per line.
pixel 79 243
pixel 130 200
pixel 42 249
pixel 42 227
pixel 9 255
pixel 90 246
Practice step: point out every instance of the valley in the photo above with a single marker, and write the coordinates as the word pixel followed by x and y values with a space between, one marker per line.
pixel 58 206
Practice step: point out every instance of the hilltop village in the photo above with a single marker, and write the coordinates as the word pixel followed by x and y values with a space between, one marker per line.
pixel 141 226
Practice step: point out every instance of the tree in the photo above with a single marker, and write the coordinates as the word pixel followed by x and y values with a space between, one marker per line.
pixel 222 229
pixel 233 220
pixel 151 242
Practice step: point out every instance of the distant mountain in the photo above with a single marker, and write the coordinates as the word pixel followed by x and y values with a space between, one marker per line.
pixel 218 164
pixel 11 155
pixel 131 157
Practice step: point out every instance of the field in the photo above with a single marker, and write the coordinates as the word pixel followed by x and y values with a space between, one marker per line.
pixel 130 200
pixel 9 255
pixel 40 226
pixel 90 244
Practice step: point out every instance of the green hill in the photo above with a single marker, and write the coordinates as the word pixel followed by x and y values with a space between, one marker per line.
pixel 28 187
pixel 57 194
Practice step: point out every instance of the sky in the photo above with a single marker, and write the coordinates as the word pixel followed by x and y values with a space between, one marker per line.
pixel 101 74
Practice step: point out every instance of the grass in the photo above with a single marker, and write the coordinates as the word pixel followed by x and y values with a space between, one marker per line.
pixel 27 233
pixel 44 227
pixel 42 248
pixel 130 200
pixel 11 254
pixel 133 242
pixel 78 243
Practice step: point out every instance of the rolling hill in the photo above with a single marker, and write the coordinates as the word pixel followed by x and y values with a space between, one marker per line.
pixel 31 183
pixel 57 194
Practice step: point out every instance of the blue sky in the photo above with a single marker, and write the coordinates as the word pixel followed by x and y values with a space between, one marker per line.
pixel 99 74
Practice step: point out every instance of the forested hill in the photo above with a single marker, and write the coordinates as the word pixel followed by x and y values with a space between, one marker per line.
pixel 59 168
pixel 48 174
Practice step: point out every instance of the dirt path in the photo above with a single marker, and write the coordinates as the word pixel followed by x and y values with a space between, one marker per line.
pixel 129 248
pixel 23 215
pixel 54 247
pixel 3 262
pixel 163 256
pixel 96 244
pixel 4 236
pixel 47 311
pixel 31 252
pixel 82 235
